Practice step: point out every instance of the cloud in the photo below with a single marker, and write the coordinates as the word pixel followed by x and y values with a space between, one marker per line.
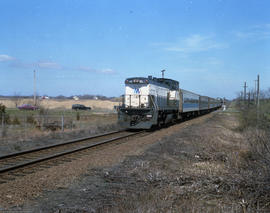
pixel 107 71
pixel 21 65
pixel 104 71
pixel 87 69
pixel 192 71
pixel 36 65
pixel 213 61
pixel 48 65
pixel 256 32
pixel 250 35
pixel 193 44
pixel 4 58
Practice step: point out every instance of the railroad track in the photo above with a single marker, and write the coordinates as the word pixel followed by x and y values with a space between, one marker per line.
pixel 11 163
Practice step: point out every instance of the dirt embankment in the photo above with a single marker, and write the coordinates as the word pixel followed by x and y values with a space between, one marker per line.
pixel 196 166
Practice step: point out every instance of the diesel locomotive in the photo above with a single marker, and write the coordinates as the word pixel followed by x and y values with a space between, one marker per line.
pixel 151 101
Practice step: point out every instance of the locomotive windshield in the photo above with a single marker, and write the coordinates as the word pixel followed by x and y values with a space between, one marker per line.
pixel 136 81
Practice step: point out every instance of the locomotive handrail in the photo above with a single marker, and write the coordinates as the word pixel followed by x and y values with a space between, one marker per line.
pixel 155 105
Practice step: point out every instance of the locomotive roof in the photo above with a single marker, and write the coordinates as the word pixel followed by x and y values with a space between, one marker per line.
pixel 165 82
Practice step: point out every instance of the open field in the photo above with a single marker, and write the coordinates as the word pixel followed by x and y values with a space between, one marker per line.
pixel 63 104
pixel 54 118
pixel 24 129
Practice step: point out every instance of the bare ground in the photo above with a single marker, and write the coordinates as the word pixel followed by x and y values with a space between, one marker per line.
pixel 195 166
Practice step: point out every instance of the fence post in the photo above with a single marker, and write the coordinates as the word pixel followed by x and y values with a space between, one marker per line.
pixel 62 123
pixel 25 125
pixel 3 118
pixel 3 125
pixel 41 122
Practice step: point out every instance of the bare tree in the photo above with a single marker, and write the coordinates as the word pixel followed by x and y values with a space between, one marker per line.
pixel 267 93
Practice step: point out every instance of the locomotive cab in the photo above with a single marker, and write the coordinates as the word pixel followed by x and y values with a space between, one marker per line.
pixel 137 93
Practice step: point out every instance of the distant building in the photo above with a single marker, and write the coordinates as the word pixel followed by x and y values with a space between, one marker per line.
pixel 76 98
pixel 95 98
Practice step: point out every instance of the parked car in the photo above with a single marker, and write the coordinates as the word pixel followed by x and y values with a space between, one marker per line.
pixel 27 107
pixel 80 106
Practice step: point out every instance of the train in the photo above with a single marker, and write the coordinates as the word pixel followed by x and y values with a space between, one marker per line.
pixel 153 102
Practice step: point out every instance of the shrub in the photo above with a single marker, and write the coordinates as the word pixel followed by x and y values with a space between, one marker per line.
pixel 2 109
pixel 17 147
pixel 16 121
pixel 78 116
pixel 43 111
pixel 247 118
pixel 253 117
pixel 7 119
pixel 4 115
pixel 255 123
pixel 30 119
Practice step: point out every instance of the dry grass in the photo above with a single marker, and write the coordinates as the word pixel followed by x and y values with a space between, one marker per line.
pixel 27 135
pixel 207 168
pixel 63 104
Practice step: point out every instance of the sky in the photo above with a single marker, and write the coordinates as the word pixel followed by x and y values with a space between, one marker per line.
pixel 91 46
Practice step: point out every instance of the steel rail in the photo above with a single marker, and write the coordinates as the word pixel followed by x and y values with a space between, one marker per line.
pixel 6 169
pixel 56 145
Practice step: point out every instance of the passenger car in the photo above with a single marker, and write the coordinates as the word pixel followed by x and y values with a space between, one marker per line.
pixel 27 107
pixel 80 107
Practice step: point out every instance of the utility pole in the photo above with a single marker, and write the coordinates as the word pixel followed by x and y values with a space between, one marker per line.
pixel 35 100
pixel 248 99
pixel 245 91
pixel 258 99
pixel 258 91
pixel 162 73
pixel 255 91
